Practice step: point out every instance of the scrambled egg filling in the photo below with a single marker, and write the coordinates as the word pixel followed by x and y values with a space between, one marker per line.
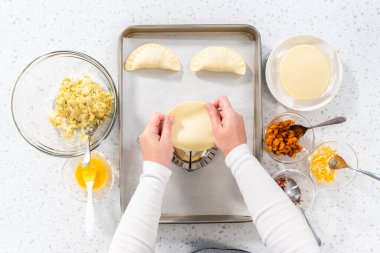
pixel 80 103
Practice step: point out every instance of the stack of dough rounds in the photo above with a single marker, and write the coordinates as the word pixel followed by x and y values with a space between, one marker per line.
pixel 304 72
pixel 192 129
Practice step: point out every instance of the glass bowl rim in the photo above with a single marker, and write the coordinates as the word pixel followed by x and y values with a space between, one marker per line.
pixel 112 175
pixel 305 175
pixel 295 160
pixel 332 187
pixel 339 72
pixel 69 53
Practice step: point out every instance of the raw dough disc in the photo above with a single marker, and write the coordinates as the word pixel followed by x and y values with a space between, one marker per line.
pixel 192 129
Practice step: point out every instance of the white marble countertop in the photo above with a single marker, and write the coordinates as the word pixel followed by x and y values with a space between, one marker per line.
pixel 37 215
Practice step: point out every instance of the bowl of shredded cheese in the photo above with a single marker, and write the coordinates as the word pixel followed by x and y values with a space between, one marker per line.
pixel 57 95
pixel 320 171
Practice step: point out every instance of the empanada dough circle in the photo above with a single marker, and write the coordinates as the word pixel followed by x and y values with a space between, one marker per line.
pixel 152 55
pixel 192 129
pixel 218 59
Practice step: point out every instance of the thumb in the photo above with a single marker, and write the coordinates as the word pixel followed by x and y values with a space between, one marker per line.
pixel 167 126
pixel 214 116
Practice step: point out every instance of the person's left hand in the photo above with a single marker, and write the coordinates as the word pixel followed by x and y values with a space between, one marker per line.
pixel 155 141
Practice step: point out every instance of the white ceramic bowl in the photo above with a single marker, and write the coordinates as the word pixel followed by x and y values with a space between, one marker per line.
pixel 273 77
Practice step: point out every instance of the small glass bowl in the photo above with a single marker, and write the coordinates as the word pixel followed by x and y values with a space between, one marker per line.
pixel 343 177
pixel 34 95
pixel 75 190
pixel 307 141
pixel 307 187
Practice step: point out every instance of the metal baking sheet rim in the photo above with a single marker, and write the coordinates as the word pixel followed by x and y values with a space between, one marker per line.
pixel 257 149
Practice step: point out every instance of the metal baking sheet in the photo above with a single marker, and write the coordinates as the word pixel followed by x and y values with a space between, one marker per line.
pixel 209 194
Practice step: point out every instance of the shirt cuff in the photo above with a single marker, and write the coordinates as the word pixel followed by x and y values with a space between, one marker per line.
pixel 156 169
pixel 237 153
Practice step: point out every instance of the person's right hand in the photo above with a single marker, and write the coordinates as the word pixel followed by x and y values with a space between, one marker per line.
pixel 228 125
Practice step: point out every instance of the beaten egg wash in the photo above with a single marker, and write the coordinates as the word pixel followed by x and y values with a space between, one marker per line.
pixel 99 166
pixel 304 72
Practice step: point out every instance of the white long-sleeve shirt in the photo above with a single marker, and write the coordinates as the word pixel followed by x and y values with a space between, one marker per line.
pixel 281 226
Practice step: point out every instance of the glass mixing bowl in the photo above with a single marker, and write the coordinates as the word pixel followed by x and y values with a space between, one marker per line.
pixel 34 96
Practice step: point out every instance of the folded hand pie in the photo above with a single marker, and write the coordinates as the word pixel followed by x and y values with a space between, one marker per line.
pixel 152 55
pixel 192 129
pixel 218 59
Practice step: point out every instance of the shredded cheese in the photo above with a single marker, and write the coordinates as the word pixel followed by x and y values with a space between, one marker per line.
pixel 319 164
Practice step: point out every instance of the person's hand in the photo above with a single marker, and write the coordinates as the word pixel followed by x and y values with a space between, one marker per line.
pixel 228 125
pixel 156 142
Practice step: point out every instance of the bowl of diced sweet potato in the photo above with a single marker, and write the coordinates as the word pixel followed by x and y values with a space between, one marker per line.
pixel 282 143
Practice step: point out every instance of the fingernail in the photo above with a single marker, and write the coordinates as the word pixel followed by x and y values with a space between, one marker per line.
pixel 208 106
pixel 171 118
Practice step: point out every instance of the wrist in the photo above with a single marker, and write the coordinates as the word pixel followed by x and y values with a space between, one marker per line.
pixel 227 151
pixel 157 157
pixel 236 153
pixel 155 165
pixel 156 169
pixel 158 162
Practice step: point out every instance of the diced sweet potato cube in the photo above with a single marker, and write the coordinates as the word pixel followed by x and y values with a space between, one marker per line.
pixel 280 140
